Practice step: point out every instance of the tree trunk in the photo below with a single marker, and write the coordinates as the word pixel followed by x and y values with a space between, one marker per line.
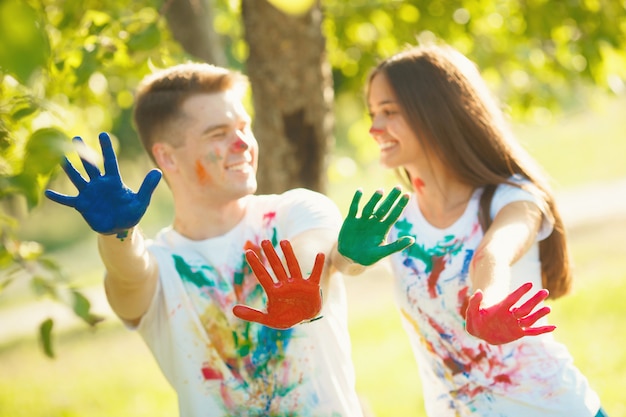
pixel 291 84
pixel 191 23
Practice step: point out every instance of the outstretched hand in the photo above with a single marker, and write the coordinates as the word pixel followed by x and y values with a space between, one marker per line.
pixel 291 300
pixel 108 206
pixel 361 238
pixel 501 323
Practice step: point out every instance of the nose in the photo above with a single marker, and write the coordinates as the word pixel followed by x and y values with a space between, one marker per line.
pixel 378 126
pixel 376 130
pixel 239 144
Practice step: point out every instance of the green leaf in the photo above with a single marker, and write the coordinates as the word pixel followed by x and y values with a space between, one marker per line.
pixel 82 308
pixel 146 39
pixel 45 337
pixel 44 151
pixel 24 112
pixel 24 45
pixel 88 65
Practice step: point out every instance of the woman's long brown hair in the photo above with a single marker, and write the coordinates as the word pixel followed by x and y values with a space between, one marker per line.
pixel 453 115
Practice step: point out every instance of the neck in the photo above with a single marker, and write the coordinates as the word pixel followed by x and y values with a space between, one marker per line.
pixel 441 199
pixel 204 221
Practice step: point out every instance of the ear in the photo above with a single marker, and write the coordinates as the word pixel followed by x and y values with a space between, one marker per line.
pixel 164 156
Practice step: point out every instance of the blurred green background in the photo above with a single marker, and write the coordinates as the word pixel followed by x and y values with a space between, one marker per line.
pixel 559 67
pixel 109 372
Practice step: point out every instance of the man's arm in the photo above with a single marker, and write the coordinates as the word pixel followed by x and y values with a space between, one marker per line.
pixel 131 274
pixel 112 210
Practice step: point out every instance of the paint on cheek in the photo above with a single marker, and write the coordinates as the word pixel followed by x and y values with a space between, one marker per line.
pixel 201 174
pixel 418 185
pixel 214 157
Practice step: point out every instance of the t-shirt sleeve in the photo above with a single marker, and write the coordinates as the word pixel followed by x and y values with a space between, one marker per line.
pixel 506 194
pixel 304 209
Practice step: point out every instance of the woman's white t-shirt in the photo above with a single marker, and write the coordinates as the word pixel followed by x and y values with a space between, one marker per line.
pixel 462 375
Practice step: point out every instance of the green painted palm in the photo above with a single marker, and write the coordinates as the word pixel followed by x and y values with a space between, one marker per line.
pixel 362 239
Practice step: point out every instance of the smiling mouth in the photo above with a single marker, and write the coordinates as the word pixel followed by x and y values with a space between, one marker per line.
pixel 242 166
pixel 239 167
pixel 383 146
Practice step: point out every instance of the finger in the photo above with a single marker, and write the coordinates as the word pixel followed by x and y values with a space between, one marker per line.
pixel 473 306
pixel 369 207
pixel 530 305
pixel 290 258
pixel 259 270
pixel 516 295
pixel 354 206
pixel 66 200
pixel 398 245
pixel 249 314
pixel 532 319
pixel 318 267
pixel 90 168
pixel 535 331
pixel 149 184
pixel 74 176
pixel 108 154
pixel 397 210
pixel 274 261
pixel 388 202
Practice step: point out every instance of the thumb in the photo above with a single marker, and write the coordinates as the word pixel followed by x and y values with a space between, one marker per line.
pixel 473 304
pixel 148 186
pixel 400 244
pixel 249 314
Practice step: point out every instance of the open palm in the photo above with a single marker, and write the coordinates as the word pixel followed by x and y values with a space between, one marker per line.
pixel 106 204
pixel 291 300
pixel 362 239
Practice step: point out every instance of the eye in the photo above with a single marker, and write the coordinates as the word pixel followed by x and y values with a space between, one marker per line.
pixel 217 134
pixel 389 112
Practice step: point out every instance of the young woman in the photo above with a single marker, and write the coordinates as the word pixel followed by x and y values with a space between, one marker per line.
pixel 485 226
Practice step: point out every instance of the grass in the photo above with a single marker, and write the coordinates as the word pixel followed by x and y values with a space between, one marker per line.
pixel 110 372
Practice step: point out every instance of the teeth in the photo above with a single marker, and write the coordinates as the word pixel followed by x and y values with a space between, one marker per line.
pixel 238 167
pixel 386 145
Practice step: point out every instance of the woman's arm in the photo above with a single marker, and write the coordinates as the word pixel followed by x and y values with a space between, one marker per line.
pixel 512 232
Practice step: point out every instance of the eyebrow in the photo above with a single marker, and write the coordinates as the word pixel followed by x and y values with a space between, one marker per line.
pixel 211 128
pixel 388 101
pixel 383 103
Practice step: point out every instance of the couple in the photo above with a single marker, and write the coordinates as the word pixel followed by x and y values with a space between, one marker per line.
pixel 241 299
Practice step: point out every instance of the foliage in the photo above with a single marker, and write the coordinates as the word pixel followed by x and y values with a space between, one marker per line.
pixel 60 86
pixel 534 53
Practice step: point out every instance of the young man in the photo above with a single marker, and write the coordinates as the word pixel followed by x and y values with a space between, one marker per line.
pixel 190 292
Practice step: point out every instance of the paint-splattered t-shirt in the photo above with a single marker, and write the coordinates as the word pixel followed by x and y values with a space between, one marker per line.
pixel 462 375
pixel 223 366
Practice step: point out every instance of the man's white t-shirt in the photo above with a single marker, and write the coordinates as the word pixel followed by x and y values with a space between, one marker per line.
pixel 223 366
pixel 462 375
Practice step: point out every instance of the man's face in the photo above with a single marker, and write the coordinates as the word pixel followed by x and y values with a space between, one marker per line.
pixel 219 154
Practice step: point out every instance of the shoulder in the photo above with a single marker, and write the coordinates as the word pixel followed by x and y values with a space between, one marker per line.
pixel 518 189
pixel 306 198
pixel 521 189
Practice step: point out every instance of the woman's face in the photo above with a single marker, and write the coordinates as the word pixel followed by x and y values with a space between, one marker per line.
pixel 398 144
